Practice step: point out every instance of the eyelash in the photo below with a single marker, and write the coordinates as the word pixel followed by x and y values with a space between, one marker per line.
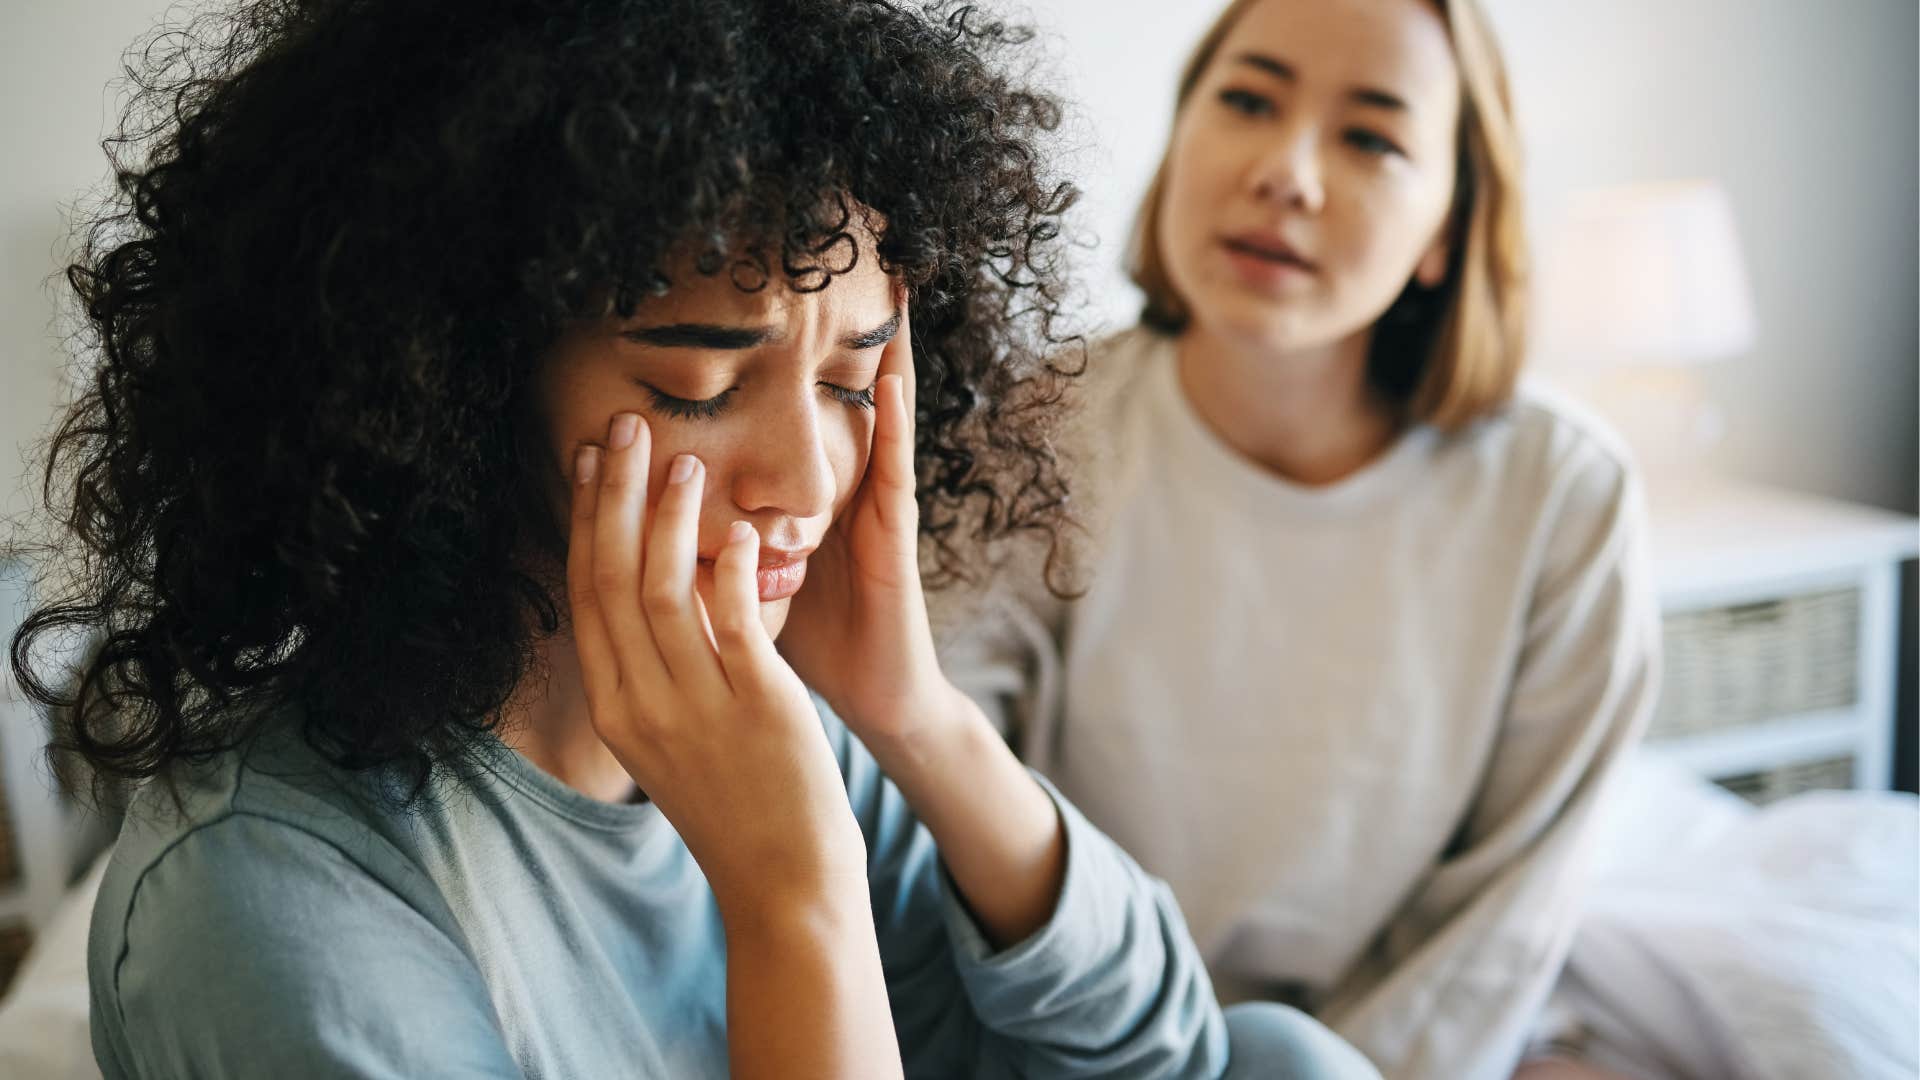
pixel 1248 103
pixel 707 409
pixel 1368 142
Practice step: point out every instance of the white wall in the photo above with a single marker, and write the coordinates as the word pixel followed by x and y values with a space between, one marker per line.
pixel 56 58
pixel 1804 109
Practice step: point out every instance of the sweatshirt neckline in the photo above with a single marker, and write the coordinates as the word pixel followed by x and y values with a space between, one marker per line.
pixel 530 780
pixel 1241 479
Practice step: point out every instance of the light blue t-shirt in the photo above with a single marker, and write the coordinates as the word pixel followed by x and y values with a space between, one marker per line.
pixel 289 924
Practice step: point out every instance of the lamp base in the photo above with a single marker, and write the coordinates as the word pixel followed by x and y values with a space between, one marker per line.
pixel 1667 420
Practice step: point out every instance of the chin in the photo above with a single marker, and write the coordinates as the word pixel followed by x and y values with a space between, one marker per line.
pixel 1264 327
pixel 773 616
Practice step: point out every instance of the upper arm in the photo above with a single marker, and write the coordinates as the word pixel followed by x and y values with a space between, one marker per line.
pixel 1587 669
pixel 252 948
pixel 1451 987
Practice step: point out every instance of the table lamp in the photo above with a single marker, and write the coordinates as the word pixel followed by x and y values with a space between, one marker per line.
pixel 1643 286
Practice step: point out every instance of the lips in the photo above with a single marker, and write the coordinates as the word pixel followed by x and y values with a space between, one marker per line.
pixel 1269 248
pixel 782 572
pixel 782 581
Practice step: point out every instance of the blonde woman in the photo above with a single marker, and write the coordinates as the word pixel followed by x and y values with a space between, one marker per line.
pixel 1366 623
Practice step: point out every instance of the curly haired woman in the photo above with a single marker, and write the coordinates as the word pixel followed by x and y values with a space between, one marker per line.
pixel 480 391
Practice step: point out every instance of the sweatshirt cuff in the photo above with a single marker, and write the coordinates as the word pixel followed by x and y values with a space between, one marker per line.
pixel 1088 924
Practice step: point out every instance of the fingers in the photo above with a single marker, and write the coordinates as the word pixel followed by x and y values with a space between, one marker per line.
pixel 737 631
pixel 898 357
pixel 599 667
pixel 892 459
pixel 891 463
pixel 618 556
pixel 667 580
pixel 891 466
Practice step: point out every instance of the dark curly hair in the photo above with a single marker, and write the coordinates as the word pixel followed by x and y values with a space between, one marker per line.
pixel 345 233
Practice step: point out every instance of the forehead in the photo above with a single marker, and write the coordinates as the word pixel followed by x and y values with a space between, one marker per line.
pixel 1400 46
pixel 864 294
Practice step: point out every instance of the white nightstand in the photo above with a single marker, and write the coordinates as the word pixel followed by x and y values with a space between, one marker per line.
pixel 1782 617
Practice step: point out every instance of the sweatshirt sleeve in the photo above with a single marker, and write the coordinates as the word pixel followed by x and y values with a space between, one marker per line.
pixel 1452 986
pixel 1110 986
pixel 388 995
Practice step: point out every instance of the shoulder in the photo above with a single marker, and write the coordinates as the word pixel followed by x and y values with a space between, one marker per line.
pixel 1118 366
pixel 224 852
pixel 1551 454
pixel 1567 433
pixel 1583 493
pixel 244 944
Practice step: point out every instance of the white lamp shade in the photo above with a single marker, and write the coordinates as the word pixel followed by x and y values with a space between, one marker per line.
pixel 1648 274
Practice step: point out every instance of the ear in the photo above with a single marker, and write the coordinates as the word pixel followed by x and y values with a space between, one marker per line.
pixel 1431 272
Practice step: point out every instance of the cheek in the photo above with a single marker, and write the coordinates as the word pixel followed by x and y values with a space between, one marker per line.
pixel 1199 176
pixel 1386 227
pixel 576 402
pixel 1205 173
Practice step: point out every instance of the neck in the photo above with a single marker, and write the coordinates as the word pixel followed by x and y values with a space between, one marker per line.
pixel 1309 416
pixel 549 725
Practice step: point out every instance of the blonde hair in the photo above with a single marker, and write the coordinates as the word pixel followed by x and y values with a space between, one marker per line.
pixel 1449 355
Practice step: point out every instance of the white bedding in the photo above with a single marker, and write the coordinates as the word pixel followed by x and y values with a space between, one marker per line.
pixel 1724 941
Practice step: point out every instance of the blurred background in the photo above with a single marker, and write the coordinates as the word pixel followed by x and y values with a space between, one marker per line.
pixel 1763 155
pixel 1804 113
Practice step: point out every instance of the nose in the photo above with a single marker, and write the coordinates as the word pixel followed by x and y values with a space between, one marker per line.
pixel 1290 172
pixel 786 470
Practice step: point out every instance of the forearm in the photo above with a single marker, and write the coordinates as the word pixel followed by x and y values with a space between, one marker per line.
pixel 997 831
pixel 805 993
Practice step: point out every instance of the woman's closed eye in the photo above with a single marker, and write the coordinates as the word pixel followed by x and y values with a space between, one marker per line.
pixel 689 408
pixel 680 408
pixel 859 399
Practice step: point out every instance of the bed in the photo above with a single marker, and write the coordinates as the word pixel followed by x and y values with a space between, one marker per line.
pixel 1720 941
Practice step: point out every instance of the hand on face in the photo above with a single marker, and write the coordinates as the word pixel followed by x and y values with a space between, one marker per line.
pixel 798 410
pixel 690 695
pixel 858 630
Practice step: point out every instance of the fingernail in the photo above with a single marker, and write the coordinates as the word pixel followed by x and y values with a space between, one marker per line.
pixel 739 533
pixel 621 434
pixel 682 469
pixel 586 465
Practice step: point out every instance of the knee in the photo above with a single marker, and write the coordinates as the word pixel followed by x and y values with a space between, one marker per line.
pixel 1274 1042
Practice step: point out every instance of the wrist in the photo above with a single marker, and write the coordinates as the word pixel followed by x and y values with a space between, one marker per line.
pixel 830 904
pixel 773 901
pixel 816 863
pixel 927 728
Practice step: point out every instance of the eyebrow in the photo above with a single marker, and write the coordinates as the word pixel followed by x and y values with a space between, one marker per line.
pixel 1365 95
pixel 879 335
pixel 710 336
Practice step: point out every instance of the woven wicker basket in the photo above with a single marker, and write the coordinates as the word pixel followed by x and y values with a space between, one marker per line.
pixel 1772 785
pixel 1728 667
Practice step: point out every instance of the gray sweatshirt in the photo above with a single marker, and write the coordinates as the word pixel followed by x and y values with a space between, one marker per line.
pixel 288 925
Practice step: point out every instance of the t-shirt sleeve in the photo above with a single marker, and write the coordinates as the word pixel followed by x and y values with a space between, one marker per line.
pixel 223 964
pixel 1111 985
